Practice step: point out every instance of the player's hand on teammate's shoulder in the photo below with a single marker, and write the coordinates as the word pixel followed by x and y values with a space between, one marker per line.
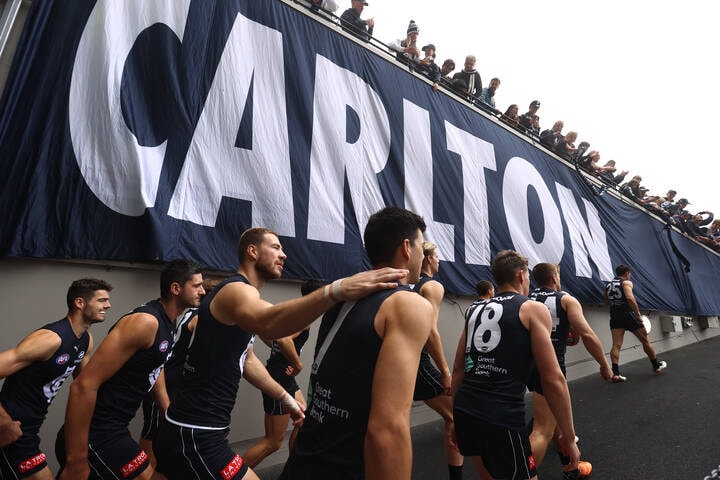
pixel 363 283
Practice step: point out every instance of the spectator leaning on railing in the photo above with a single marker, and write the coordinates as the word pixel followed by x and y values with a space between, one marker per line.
pixel 407 50
pixel 511 116
pixel 468 83
pixel 447 67
pixel 565 146
pixel 675 208
pixel 471 77
pixel 714 234
pixel 695 226
pixel 551 136
pixel 487 96
pixel 530 120
pixel 428 67
pixel 351 22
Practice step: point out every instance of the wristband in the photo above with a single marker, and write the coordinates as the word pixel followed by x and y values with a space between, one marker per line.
pixel 289 404
pixel 336 290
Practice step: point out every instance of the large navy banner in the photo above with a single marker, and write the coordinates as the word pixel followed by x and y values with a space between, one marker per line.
pixel 140 131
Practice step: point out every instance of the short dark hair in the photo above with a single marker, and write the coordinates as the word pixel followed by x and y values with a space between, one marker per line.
pixel 483 287
pixel 622 269
pixel 210 282
pixel 309 286
pixel 85 288
pixel 252 236
pixel 506 264
pixel 177 271
pixel 543 272
pixel 387 229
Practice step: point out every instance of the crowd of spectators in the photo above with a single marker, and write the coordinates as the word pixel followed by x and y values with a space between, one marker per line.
pixel 467 84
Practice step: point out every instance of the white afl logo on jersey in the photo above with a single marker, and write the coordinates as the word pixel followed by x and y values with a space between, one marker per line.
pixel 164 346
pixel 62 359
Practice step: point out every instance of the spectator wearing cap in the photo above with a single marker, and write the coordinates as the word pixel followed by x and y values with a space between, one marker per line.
pixel 407 50
pixel 677 206
pixel 487 96
pixel 352 23
pixel 526 119
pixel 650 202
pixel 428 67
pixel 471 78
pixel 535 125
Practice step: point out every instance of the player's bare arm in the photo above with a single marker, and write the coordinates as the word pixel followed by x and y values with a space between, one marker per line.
pixel 536 317
pixel 240 304
pixel 580 326
pixel 458 372
pixel 86 358
pixel 159 393
pixel 627 287
pixel 287 349
pixel 36 347
pixel 403 337
pixel 132 333
pixel 258 376
pixel 434 293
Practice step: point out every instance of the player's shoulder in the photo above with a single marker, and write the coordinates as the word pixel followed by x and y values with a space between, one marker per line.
pixel 235 290
pixel 533 309
pixel 42 337
pixel 405 297
pixel 432 286
pixel 136 324
pixel 405 304
pixel 407 311
pixel 566 298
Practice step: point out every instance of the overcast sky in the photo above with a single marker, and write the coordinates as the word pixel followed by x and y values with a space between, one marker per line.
pixel 636 79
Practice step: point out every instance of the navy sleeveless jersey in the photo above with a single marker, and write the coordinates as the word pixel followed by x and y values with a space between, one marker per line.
pixel 616 297
pixel 120 396
pixel 27 393
pixel 560 323
pixel 497 362
pixel 212 370
pixel 341 385
pixel 423 280
pixel 277 363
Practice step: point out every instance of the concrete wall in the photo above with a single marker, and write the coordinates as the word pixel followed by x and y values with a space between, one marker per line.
pixel 32 293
